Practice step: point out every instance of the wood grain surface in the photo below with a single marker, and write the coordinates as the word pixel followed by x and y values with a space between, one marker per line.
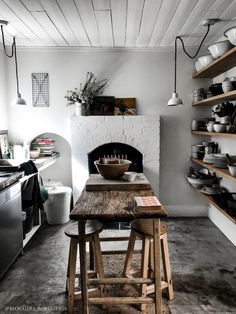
pixel 97 183
pixel 113 206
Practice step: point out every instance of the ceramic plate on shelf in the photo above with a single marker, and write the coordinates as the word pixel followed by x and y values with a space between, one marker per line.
pixel 216 191
pixel 208 161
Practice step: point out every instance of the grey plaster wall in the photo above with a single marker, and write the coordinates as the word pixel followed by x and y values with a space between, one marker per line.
pixel 146 75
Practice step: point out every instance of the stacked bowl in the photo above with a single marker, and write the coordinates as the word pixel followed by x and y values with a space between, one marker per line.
pixel 220 161
pixel 219 48
pixel 231 35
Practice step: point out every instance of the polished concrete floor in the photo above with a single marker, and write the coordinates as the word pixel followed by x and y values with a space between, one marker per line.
pixel 203 265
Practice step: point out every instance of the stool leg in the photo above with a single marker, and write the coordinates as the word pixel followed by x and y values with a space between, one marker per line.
pixel 129 255
pixel 144 268
pixel 68 266
pixel 91 256
pixel 71 274
pixel 99 262
pixel 166 266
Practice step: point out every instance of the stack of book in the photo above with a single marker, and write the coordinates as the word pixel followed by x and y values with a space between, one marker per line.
pixel 46 146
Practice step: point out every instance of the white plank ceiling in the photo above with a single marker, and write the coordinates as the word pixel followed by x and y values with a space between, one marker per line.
pixel 113 23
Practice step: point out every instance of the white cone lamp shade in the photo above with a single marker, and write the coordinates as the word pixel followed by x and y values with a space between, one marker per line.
pixel 175 100
pixel 18 100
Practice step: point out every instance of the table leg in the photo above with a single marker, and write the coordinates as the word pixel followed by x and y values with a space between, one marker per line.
pixel 83 267
pixel 157 265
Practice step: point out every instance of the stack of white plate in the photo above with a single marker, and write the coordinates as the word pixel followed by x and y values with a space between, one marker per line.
pixel 209 158
pixel 220 161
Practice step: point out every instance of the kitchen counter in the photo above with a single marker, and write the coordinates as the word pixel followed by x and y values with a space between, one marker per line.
pixel 9 177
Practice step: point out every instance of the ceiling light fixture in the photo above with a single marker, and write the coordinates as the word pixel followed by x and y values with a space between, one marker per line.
pixel 18 100
pixel 175 100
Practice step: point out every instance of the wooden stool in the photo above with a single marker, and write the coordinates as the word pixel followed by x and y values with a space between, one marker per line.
pixel 144 230
pixel 93 228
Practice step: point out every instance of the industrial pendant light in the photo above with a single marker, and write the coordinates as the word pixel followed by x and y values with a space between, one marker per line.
pixel 175 100
pixel 18 100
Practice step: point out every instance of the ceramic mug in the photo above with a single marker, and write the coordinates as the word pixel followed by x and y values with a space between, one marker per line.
pixel 130 176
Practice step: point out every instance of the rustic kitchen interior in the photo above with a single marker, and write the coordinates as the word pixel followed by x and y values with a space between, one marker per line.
pixel 117 156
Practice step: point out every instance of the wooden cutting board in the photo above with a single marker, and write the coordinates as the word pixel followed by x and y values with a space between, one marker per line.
pixel 97 183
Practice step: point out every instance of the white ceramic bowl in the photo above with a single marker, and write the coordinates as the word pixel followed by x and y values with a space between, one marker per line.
pixel 197 183
pixel 210 127
pixel 130 176
pixel 219 128
pixel 219 48
pixel 198 66
pixel 227 86
pixel 34 154
pixel 205 60
pixel 232 170
pixel 231 35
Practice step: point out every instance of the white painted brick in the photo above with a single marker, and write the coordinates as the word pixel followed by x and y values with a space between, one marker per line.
pixel 133 131
pixel 150 118
pixel 154 131
pixel 141 132
pixel 151 157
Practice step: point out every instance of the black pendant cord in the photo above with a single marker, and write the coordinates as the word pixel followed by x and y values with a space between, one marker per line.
pixel 175 64
pixel 192 57
pixel 4 45
pixel 17 80
pixel 182 42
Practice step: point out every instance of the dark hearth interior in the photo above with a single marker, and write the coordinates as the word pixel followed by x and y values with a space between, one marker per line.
pixel 118 150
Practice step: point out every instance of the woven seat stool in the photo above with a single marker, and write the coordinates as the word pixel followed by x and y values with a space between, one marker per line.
pixel 144 230
pixel 93 228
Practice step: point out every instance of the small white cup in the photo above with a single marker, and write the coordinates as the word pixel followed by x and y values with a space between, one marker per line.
pixel 130 176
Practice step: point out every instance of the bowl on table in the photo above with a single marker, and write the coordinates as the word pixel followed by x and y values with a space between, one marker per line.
pixel 112 169
pixel 219 48
pixel 231 35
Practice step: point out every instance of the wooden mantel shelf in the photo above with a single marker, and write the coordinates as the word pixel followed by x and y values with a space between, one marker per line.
pixel 205 133
pixel 222 172
pixel 215 99
pixel 218 66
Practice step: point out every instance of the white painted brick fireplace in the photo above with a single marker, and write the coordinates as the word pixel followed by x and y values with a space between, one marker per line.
pixel 89 132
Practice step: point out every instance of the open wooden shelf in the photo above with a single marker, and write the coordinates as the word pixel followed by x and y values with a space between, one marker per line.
pixel 218 66
pixel 211 201
pixel 215 99
pixel 205 133
pixel 222 172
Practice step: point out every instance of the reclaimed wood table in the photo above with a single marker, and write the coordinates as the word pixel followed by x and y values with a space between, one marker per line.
pixel 117 206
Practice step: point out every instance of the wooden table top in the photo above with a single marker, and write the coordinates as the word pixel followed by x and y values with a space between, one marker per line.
pixel 114 206
pixel 97 183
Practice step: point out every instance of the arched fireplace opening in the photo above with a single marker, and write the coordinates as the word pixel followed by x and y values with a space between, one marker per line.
pixel 118 150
